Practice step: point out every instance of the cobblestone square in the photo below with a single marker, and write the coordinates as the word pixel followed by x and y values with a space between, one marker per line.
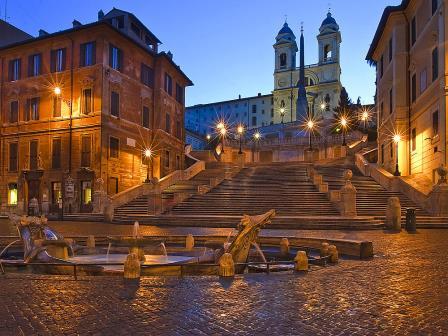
pixel 402 291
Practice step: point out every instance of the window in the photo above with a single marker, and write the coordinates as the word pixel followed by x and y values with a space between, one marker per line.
pixel 58 62
pixel 414 88
pixel 272 113
pixel 413 31
pixel 168 123
pixel 382 153
pixel 113 185
pixel 14 111
pixel 435 63
pixel 390 49
pixel 13 156
pixel 145 117
pixel 381 66
pixel 423 80
pixel 435 123
pixel 381 112
pixel 56 154
pixel 135 29
pixel 391 149
pixel 56 106
pixel 254 108
pixel 117 21
pixel 115 58
pixel 14 69
pixel 391 101
pixel 87 101
pixel 12 194
pixel 167 159
pixel 115 104
pixel 283 60
pixel 327 53
pixel 179 93
pixel 33 155
pixel 86 149
pixel 114 145
pixel 178 162
pixel 414 139
pixel 168 84
pixel 434 5
pixel 147 75
pixel 32 109
pixel 254 121
pixel 87 54
pixel 34 65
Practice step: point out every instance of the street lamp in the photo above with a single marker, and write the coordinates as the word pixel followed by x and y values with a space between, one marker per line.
pixel 322 106
pixel 364 117
pixel 310 125
pixel 208 137
pixel 344 124
pixel 57 90
pixel 223 132
pixel 240 131
pixel 282 113
pixel 148 154
pixel 397 139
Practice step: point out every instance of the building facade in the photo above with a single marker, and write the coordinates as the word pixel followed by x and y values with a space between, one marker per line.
pixel 80 106
pixel 322 81
pixel 410 57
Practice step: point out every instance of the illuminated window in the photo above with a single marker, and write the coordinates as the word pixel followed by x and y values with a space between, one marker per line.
pixel 57 61
pixel 56 195
pixel 86 104
pixel 14 69
pixel 115 58
pixel 86 187
pixel 88 54
pixel 12 194
pixel 34 65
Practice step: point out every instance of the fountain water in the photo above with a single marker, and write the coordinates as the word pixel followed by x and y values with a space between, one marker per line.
pixel 162 244
pixel 260 252
pixel 108 250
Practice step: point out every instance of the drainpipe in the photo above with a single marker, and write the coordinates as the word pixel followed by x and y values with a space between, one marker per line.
pixel 71 107
pixel 408 92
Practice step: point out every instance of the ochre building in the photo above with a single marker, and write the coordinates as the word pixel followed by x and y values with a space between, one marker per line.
pixel 79 108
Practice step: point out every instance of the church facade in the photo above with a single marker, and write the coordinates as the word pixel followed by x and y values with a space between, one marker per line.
pixel 321 81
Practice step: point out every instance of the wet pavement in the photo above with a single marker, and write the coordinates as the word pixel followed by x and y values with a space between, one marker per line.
pixel 402 291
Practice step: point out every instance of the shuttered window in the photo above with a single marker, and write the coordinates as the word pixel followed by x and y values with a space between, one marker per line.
pixel 86 150
pixel 56 154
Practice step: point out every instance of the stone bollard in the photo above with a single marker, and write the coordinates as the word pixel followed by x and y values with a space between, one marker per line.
pixel 131 267
pixel 393 214
pixel 324 250
pixel 90 243
pixel 226 266
pixel 301 261
pixel 189 242
pixel 284 247
pixel 333 253
pixel 348 196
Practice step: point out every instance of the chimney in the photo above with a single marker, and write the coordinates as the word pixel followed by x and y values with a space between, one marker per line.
pixel 170 54
pixel 239 96
pixel 76 23
pixel 259 94
pixel 100 15
pixel 42 32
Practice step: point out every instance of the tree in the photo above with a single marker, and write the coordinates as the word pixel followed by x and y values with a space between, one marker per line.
pixel 345 109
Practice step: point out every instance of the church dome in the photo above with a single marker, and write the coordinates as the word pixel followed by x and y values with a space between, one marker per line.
pixel 284 32
pixel 329 23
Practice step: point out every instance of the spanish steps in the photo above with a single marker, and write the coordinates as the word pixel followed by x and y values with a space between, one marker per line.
pixel 258 188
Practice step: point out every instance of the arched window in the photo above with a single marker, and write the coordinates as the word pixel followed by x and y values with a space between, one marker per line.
pixel 327 102
pixel 327 53
pixel 283 60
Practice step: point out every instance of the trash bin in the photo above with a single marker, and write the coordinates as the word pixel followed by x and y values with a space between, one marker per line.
pixel 411 222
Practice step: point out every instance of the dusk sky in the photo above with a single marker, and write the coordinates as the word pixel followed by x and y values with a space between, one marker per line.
pixel 225 47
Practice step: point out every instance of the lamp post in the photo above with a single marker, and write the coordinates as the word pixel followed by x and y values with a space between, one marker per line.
pixel 240 131
pixel 223 132
pixel 364 117
pixel 148 154
pixel 208 137
pixel 257 137
pixel 310 125
pixel 397 139
pixel 343 123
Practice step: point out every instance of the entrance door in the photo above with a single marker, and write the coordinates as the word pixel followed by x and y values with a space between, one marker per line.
pixel 86 196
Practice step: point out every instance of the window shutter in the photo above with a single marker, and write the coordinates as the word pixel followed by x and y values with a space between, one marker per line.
pixel 27 109
pixel 30 65
pixel 10 70
pixel 110 54
pixel 53 61
pixel 82 55
pixel 93 53
pixel 64 58
pixel 120 60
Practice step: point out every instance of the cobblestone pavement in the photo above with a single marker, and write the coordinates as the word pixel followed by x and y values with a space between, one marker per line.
pixel 402 291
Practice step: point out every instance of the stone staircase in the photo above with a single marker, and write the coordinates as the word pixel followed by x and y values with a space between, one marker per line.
pixel 256 189
pixel 371 197
pixel 139 207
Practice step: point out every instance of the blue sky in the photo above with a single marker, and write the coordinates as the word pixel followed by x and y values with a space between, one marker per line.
pixel 225 46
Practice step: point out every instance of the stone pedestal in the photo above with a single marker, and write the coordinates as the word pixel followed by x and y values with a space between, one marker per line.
pixel 348 196
pixel 189 242
pixel 241 160
pixel 438 198
pixel 393 214
pixel 226 266
pixel 301 261
pixel 155 205
pixel 132 267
